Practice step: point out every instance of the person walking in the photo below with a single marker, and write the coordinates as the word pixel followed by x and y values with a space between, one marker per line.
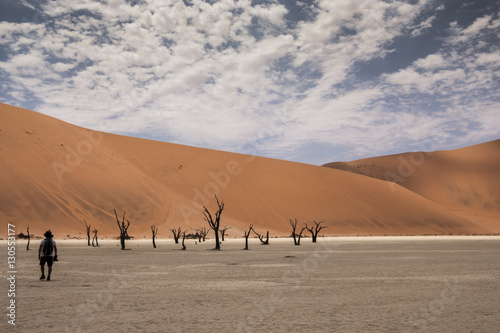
pixel 47 253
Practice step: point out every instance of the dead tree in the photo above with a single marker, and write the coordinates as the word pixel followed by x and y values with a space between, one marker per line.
pixel 177 234
pixel 154 230
pixel 88 232
pixel 261 237
pixel 314 232
pixel 123 229
pixel 95 238
pixel 246 236
pixel 223 232
pixel 202 233
pixel 296 237
pixel 28 245
pixel 183 238
pixel 214 223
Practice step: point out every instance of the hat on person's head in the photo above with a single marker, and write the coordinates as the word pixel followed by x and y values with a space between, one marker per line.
pixel 48 234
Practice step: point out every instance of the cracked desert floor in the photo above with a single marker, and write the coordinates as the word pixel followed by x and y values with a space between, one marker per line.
pixel 340 284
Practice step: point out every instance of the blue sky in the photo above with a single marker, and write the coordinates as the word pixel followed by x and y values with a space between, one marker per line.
pixel 307 81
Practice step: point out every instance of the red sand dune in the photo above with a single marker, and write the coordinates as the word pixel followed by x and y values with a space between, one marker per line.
pixel 465 181
pixel 54 175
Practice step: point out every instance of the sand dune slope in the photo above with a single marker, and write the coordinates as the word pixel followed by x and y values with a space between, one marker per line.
pixel 55 175
pixel 465 181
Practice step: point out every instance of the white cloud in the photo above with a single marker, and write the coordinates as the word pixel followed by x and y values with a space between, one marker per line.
pixel 471 32
pixel 431 61
pixel 218 74
pixel 476 27
pixel 494 24
pixel 488 58
pixel 408 78
pixel 422 26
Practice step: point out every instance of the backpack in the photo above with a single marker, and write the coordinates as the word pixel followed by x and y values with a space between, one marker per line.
pixel 47 247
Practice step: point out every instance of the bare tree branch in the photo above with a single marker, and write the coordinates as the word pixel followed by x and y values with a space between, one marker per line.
pixel 296 237
pixel 214 224
pixel 177 234
pixel 29 236
pixel 246 236
pixel 223 232
pixel 154 230
pixel 317 228
pixel 183 238
pixel 202 233
pixel 261 237
pixel 87 227
pixel 95 238
pixel 123 229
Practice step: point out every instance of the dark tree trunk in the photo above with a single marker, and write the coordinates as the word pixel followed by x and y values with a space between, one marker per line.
pixel 214 224
pixel 223 232
pixel 28 245
pixel 246 237
pixel 183 238
pixel 217 244
pixel 123 229
pixel 177 234
pixel 300 235
pixel 296 237
pixel 95 238
pixel 202 233
pixel 261 237
pixel 314 232
pixel 154 230
pixel 87 227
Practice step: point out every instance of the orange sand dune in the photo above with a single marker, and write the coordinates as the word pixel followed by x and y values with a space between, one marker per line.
pixel 54 175
pixel 466 181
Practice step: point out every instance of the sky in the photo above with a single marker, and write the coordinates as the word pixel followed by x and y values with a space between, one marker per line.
pixel 305 81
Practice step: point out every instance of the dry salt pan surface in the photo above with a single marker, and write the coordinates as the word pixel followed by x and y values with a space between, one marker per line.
pixel 386 284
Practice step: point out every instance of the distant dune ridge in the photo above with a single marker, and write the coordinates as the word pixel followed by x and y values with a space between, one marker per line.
pixel 465 181
pixel 54 175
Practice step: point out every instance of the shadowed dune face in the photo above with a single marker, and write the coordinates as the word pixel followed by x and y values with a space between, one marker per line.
pixel 465 181
pixel 54 175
